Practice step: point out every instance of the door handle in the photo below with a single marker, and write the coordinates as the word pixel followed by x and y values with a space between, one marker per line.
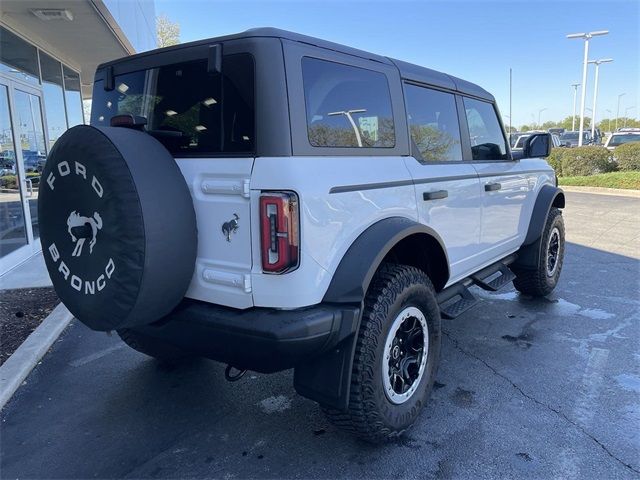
pixel 492 187
pixel 437 195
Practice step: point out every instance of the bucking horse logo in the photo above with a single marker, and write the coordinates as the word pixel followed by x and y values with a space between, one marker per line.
pixel 81 228
pixel 230 227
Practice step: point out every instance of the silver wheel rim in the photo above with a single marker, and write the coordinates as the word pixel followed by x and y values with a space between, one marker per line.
pixel 405 355
pixel 553 252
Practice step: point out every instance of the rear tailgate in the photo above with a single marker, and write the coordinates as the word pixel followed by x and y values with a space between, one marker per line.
pixel 220 191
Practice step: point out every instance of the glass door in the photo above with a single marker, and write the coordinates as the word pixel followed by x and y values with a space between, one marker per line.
pixel 13 224
pixel 22 157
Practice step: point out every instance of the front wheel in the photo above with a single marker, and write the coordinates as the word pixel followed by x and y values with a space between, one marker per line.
pixel 543 279
pixel 396 358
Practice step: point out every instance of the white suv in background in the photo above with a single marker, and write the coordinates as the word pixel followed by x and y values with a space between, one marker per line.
pixel 275 201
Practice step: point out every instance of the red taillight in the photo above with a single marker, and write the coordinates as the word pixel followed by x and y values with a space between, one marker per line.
pixel 279 233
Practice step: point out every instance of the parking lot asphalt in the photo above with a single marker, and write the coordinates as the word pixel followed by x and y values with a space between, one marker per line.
pixel 526 388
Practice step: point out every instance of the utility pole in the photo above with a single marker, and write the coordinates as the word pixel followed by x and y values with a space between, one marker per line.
pixel 595 91
pixel 618 109
pixel 575 94
pixel 586 37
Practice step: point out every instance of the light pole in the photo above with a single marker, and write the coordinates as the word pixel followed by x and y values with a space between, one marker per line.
pixel 586 37
pixel 539 113
pixel 618 109
pixel 348 114
pixel 575 94
pixel 625 114
pixel 610 113
pixel 595 91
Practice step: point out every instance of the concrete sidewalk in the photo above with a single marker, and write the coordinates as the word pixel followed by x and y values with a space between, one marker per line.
pixel 30 274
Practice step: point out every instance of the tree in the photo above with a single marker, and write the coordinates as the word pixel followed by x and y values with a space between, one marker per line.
pixel 168 32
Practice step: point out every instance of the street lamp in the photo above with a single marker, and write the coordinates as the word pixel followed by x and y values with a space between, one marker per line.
pixel 586 37
pixel 348 114
pixel 595 91
pixel 625 114
pixel 618 109
pixel 610 113
pixel 575 93
pixel 539 113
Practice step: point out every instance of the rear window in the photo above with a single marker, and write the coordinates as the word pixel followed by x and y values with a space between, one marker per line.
pixel 346 106
pixel 191 111
pixel 626 138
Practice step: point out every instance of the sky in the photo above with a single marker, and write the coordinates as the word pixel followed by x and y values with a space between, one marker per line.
pixel 475 40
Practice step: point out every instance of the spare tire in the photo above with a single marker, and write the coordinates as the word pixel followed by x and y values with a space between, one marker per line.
pixel 117 226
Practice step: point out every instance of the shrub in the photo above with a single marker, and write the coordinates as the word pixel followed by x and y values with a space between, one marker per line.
pixel 582 161
pixel 555 159
pixel 628 156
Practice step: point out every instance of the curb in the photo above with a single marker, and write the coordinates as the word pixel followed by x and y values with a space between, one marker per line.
pixel 16 368
pixel 620 192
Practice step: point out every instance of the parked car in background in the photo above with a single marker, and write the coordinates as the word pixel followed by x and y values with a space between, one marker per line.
pixel 618 138
pixel 33 160
pixel 570 138
pixel 557 131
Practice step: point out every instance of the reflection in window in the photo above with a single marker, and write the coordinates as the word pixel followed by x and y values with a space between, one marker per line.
pixel 73 97
pixel 433 122
pixel 346 106
pixel 487 138
pixel 53 97
pixel 18 58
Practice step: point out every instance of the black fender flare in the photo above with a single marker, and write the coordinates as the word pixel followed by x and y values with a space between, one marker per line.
pixel 327 378
pixel 361 261
pixel 549 196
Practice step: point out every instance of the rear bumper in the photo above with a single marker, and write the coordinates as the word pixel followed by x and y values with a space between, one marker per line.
pixel 260 339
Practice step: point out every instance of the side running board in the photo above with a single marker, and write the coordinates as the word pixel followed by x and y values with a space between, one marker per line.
pixel 457 299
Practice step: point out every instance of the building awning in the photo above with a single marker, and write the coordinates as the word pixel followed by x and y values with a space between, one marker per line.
pixel 83 38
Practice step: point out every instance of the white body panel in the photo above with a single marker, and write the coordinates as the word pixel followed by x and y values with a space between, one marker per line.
pixel 477 227
pixel 220 190
pixel 329 222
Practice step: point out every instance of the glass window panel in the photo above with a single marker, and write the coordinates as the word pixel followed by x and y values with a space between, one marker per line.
pixel 187 109
pixel 73 97
pixel 13 232
pixel 34 154
pixel 346 106
pixel 53 97
pixel 18 58
pixel 487 139
pixel 433 122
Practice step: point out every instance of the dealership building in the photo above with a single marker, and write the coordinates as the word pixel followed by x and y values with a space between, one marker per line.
pixel 49 50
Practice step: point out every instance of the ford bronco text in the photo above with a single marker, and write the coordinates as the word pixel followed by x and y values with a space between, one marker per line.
pixel 274 201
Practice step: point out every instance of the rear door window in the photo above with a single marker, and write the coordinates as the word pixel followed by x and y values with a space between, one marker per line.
pixel 487 139
pixel 433 123
pixel 191 111
pixel 346 106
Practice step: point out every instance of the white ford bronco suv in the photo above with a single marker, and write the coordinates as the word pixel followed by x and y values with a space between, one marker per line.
pixel 273 201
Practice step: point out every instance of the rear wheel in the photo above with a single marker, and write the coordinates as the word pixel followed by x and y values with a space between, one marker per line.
pixel 543 279
pixel 152 347
pixel 396 358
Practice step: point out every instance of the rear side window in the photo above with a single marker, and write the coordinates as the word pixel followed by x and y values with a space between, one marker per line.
pixel 433 123
pixel 347 106
pixel 487 139
pixel 188 109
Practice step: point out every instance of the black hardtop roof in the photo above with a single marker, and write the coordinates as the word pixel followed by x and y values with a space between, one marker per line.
pixel 407 70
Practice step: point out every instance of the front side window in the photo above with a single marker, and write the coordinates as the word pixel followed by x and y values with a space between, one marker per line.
pixel 433 123
pixel 487 139
pixel 347 106
pixel 189 110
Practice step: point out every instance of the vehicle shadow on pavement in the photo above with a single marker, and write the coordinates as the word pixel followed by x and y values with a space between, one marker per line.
pixel 526 387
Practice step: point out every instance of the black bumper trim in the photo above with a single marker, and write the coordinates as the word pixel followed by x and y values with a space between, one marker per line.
pixel 260 339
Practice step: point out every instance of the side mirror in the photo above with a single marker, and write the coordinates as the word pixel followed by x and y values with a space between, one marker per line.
pixel 537 145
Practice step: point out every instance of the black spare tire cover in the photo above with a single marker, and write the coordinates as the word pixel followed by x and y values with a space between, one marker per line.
pixel 117 226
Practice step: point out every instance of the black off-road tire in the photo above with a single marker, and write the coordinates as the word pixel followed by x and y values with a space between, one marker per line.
pixel 162 351
pixel 371 415
pixel 538 282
